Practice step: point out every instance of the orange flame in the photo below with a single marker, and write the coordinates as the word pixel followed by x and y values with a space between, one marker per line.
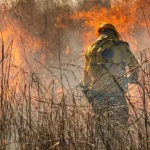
pixel 124 16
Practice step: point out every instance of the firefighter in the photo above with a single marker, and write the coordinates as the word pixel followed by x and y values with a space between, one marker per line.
pixel 105 81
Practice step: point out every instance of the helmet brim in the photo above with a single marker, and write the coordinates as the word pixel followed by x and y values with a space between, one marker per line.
pixel 100 31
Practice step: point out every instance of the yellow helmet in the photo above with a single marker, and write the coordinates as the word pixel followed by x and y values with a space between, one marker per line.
pixel 108 26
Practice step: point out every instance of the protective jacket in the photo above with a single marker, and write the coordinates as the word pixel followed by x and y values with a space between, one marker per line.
pixel 105 64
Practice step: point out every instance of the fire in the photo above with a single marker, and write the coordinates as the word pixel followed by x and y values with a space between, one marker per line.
pixel 20 38
pixel 130 19
pixel 18 46
pixel 122 15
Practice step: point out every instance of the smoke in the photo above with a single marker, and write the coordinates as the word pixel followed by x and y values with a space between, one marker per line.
pixel 48 31
pixel 42 32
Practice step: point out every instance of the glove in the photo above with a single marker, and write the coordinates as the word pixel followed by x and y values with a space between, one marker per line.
pixel 83 86
pixel 133 79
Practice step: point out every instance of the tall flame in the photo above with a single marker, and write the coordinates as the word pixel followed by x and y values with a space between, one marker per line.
pixel 127 17
pixel 123 14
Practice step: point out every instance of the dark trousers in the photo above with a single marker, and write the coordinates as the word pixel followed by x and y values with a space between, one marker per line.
pixel 114 105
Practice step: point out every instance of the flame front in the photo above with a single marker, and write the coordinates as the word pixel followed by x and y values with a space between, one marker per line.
pixel 27 46
pixel 127 17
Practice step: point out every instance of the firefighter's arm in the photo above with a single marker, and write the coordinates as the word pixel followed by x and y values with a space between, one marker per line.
pixel 132 63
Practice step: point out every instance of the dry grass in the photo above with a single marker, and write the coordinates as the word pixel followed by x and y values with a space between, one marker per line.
pixel 34 115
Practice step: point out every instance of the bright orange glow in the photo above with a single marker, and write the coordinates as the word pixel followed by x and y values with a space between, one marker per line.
pixel 22 47
pixel 123 15
pixel 18 35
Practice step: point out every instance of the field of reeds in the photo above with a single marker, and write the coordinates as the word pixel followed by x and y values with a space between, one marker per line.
pixel 36 116
pixel 41 108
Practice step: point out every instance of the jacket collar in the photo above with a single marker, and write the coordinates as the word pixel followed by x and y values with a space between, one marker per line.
pixel 107 35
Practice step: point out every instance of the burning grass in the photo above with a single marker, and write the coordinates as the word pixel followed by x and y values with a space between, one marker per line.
pixel 40 106
pixel 35 116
